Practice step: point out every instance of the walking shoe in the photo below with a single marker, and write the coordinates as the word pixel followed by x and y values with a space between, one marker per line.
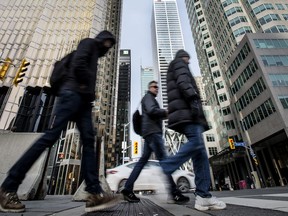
pixel 178 198
pixel 96 202
pixel 9 202
pixel 129 196
pixel 203 204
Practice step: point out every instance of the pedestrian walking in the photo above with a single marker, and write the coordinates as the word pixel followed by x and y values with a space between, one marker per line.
pixel 186 116
pixel 74 103
pixel 152 116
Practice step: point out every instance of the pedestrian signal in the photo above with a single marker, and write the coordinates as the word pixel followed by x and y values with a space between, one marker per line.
pixel 4 69
pixel 21 72
pixel 135 147
pixel 231 143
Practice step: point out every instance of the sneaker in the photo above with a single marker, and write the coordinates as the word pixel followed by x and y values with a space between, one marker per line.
pixel 178 198
pixel 203 204
pixel 130 196
pixel 9 202
pixel 96 202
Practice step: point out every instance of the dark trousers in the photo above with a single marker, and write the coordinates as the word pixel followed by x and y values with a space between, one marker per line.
pixel 153 143
pixel 70 105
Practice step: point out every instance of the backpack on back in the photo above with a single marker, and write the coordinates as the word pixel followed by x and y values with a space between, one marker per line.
pixel 137 121
pixel 60 70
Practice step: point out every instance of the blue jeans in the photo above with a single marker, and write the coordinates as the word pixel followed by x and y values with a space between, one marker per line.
pixel 196 150
pixel 70 105
pixel 153 143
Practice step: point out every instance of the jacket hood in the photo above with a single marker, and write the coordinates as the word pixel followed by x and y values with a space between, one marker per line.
pixel 182 53
pixel 105 35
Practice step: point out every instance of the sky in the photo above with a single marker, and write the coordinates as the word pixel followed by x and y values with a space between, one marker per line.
pixel 136 35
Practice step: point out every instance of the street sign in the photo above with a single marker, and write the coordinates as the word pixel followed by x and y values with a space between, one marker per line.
pixel 243 144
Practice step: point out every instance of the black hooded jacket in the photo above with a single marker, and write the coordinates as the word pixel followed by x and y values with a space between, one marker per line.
pixel 83 72
pixel 184 103
pixel 152 115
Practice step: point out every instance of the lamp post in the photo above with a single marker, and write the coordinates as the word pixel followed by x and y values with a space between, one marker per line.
pixel 124 145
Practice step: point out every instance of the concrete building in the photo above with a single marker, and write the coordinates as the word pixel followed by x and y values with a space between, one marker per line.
pixel 42 32
pixel 218 28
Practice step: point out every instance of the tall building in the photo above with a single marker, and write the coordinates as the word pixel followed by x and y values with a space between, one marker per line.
pixel 123 101
pixel 168 40
pixel 219 29
pixel 42 32
pixel 147 75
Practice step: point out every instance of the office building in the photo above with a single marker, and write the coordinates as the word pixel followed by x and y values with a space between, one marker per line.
pixel 123 101
pixel 42 32
pixel 219 29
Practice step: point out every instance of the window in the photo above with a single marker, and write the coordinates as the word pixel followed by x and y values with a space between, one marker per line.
pixel 271 43
pixel 275 60
pixel 260 113
pixel 279 79
pixel 212 151
pixel 233 11
pixel 242 30
pixel 280 6
pixel 285 16
pixel 268 18
pixel 262 7
pixel 284 101
pixel 228 2
pixel 210 138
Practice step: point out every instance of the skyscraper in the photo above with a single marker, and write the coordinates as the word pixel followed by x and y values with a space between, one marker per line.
pixel 147 75
pixel 42 32
pixel 227 36
pixel 123 101
pixel 168 40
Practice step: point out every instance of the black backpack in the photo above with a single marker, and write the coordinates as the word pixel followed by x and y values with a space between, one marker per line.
pixel 137 122
pixel 60 70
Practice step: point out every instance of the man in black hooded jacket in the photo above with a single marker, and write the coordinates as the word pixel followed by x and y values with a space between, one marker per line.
pixel 152 117
pixel 74 103
pixel 186 116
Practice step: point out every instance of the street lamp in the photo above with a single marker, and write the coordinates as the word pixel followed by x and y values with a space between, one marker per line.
pixel 124 145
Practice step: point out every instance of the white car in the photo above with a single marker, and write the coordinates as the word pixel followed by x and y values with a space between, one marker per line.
pixel 151 178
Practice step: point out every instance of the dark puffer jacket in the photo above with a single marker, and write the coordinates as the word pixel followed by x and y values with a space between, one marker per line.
pixel 83 74
pixel 152 115
pixel 184 103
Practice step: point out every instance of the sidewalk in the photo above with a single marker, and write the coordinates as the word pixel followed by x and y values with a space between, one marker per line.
pixel 156 205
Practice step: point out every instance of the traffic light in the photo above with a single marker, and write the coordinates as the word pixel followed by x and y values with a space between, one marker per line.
pixel 231 143
pixel 255 161
pixel 135 147
pixel 4 68
pixel 21 72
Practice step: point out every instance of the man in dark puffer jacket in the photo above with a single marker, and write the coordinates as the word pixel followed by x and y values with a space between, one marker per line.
pixel 186 116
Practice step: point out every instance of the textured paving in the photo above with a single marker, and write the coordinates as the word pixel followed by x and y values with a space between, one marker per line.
pixel 143 208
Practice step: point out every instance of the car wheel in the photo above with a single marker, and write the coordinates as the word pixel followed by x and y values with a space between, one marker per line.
pixel 183 185
pixel 121 185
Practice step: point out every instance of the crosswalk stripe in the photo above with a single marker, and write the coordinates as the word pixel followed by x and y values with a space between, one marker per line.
pixel 258 203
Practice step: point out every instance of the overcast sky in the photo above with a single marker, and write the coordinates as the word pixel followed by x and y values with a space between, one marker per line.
pixel 136 36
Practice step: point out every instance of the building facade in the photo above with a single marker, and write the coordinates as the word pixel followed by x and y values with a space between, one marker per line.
pixel 147 75
pixel 42 32
pixel 218 28
pixel 123 100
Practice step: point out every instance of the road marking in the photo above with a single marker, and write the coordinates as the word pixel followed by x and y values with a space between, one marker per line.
pixel 258 203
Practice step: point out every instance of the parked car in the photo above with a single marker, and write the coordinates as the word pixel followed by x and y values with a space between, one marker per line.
pixel 151 178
